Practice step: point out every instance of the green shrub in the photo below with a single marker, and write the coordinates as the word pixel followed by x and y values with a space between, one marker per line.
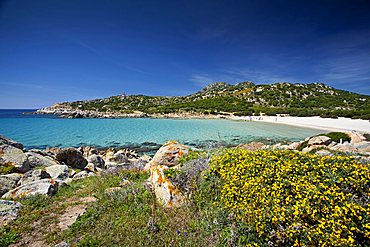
pixel 288 198
pixel 367 136
pixel 7 236
pixel 6 170
pixel 302 145
pixel 337 136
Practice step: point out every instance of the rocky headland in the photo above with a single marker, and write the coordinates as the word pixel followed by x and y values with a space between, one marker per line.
pixel 220 100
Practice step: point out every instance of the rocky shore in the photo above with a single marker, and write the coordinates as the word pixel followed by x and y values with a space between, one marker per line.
pixel 329 124
pixel 68 112
pixel 31 172
pixel 71 113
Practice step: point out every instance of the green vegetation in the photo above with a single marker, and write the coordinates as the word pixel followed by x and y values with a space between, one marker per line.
pixel 7 236
pixel 338 136
pixel 367 136
pixel 130 217
pixel 243 99
pixel 6 170
pixel 335 136
pixel 287 198
pixel 235 198
pixel 302 145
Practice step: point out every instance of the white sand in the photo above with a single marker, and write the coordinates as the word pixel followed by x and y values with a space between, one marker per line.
pixel 331 124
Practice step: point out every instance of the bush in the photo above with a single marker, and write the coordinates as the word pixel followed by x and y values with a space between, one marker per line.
pixel 367 136
pixel 302 145
pixel 6 170
pixel 289 198
pixel 337 136
pixel 7 236
pixel 187 177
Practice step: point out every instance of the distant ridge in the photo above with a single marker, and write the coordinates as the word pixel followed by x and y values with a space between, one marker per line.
pixel 242 99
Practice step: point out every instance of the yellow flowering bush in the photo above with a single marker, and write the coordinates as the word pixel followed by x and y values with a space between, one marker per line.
pixel 289 198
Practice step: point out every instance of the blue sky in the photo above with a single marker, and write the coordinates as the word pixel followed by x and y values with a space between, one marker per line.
pixel 62 50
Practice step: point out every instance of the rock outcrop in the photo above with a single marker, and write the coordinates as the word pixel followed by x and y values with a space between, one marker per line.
pixel 169 154
pixel 71 157
pixel 356 137
pixel 252 146
pixel 33 175
pixel 319 140
pixel 167 194
pixel 5 140
pixel 9 182
pixel 8 211
pixel 14 157
pixel 43 187
pixel 59 172
pixel 97 160
pixel 37 159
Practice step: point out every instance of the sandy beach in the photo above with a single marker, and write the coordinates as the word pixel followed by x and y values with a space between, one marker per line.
pixel 331 124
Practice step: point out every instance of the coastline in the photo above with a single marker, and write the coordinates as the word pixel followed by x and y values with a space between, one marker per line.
pixel 316 122
pixel 330 124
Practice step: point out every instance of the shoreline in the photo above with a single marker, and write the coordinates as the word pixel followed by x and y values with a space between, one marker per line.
pixel 330 124
pixel 316 122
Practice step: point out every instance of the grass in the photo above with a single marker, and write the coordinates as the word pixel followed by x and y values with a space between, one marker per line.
pixel 6 170
pixel 7 236
pixel 216 213
pixel 123 218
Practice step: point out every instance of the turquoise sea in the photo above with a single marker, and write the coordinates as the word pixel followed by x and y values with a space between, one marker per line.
pixel 40 131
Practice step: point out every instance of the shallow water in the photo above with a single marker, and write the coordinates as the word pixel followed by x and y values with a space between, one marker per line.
pixel 36 131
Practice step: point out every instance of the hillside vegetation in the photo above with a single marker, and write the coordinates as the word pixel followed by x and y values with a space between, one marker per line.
pixel 242 99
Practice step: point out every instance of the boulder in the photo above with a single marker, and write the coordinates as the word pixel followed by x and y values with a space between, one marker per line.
pixel 9 182
pixel 345 147
pixel 71 157
pixel 33 175
pixel 5 140
pixel 362 147
pixel 12 156
pixel 40 152
pixel 324 152
pixel 53 151
pixel 90 167
pixel 96 160
pixel 169 154
pixel 332 144
pixel 140 163
pixel 313 147
pixel 319 140
pixel 44 187
pixel 88 151
pixel 252 146
pixel 36 159
pixel 60 172
pixel 356 137
pixel 294 145
pixel 111 165
pixel 118 157
pixel 167 194
pixel 8 211
pixel 83 174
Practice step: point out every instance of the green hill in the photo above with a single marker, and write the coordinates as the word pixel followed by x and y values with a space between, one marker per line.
pixel 242 99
